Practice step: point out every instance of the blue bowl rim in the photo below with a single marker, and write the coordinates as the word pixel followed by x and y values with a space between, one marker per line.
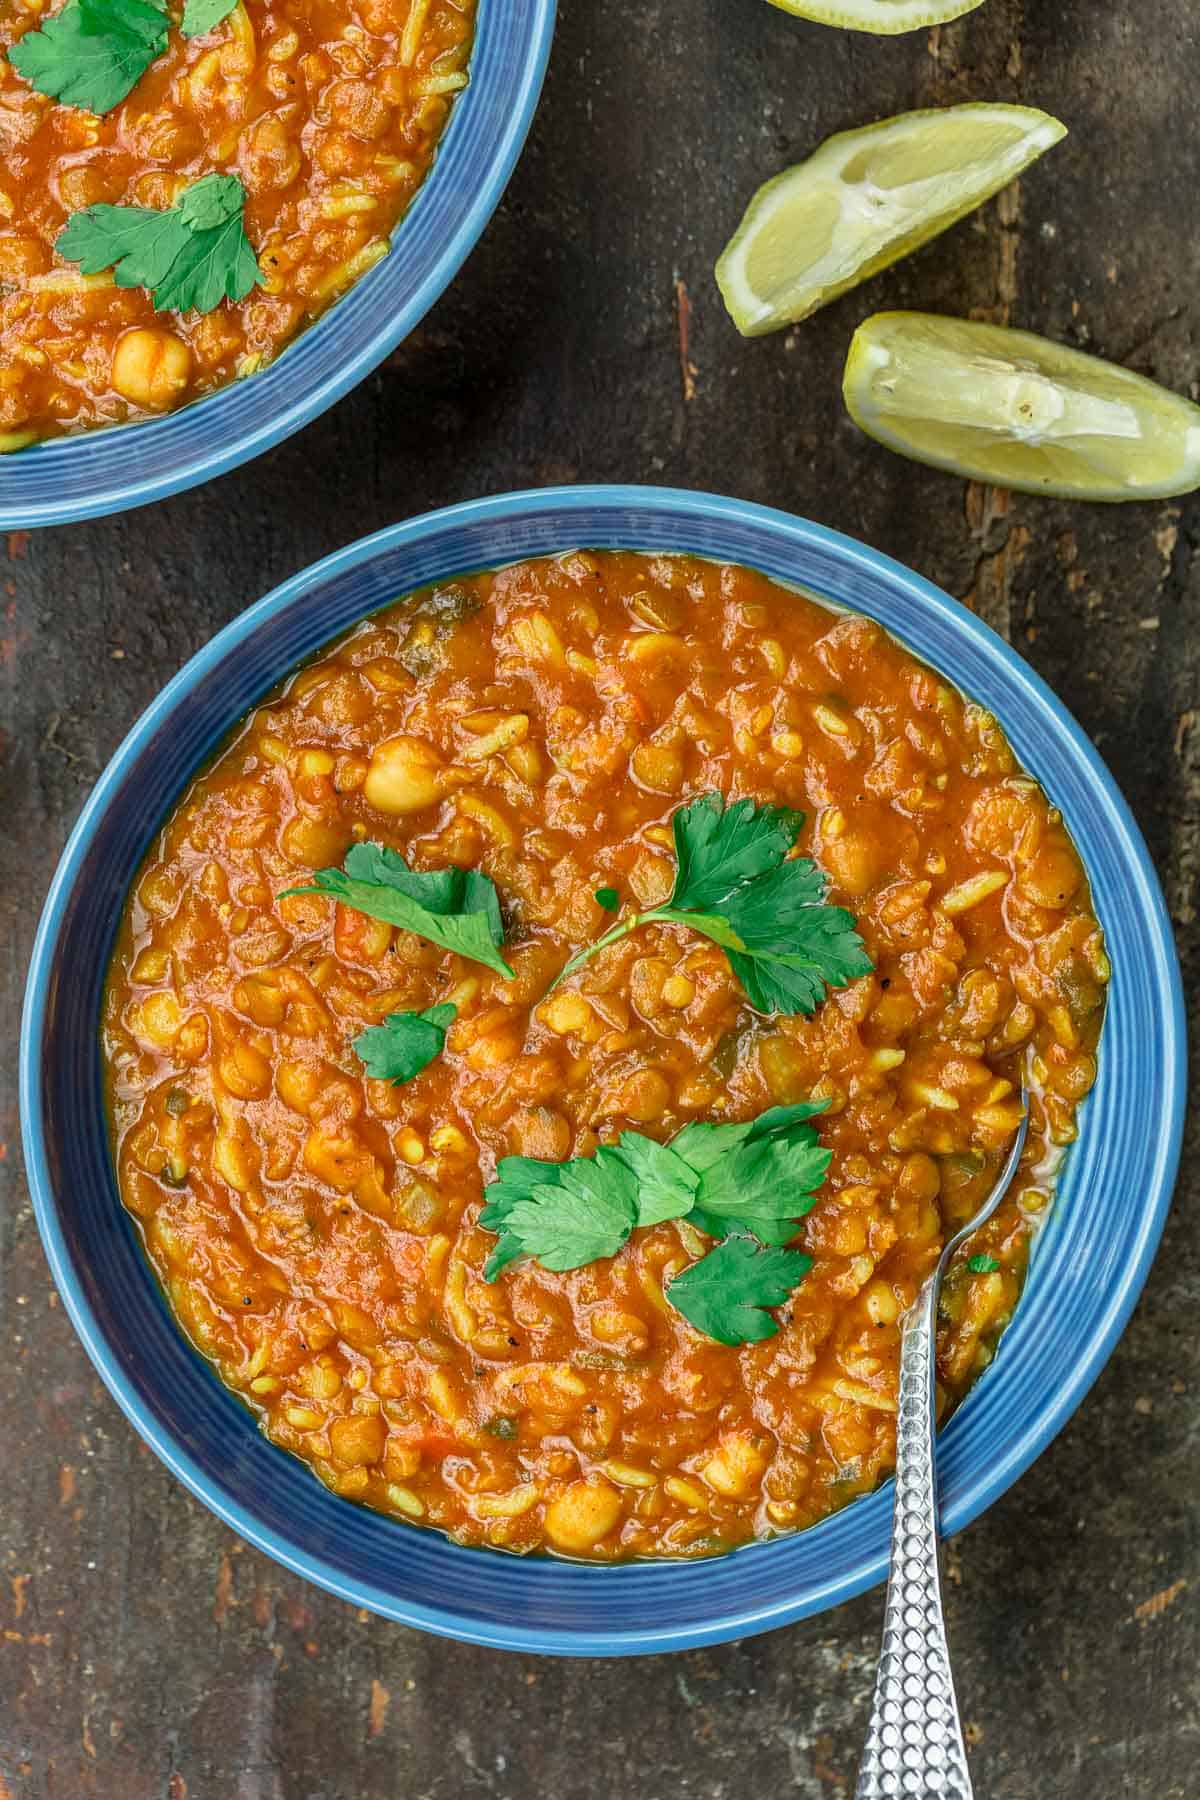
pixel 1060 1400
pixel 433 277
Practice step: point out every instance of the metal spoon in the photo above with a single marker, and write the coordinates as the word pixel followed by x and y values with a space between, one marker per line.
pixel 914 1748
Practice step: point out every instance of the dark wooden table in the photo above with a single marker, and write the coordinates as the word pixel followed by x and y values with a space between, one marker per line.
pixel 146 1654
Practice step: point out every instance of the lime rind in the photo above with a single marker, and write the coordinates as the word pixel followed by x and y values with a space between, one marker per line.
pixel 828 223
pixel 992 404
pixel 883 18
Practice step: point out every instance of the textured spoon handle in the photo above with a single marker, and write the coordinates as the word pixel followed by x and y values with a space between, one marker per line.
pixel 914 1747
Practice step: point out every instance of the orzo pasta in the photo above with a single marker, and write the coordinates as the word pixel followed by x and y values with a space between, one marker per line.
pixel 317 1227
pixel 327 111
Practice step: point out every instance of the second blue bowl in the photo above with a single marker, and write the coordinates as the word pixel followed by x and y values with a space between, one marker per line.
pixel 124 466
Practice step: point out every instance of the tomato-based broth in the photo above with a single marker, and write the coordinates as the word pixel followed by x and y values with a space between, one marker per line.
pixel 328 112
pixel 317 1226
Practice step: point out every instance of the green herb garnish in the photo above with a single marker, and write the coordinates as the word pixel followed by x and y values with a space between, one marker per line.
pixel 608 898
pixel 190 256
pixel 457 909
pixel 404 1044
pixel 200 16
pixel 753 1185
pixel 736 884
pixel 982 1265
pixel 725 1294
pixel 583 1216
pixel 729 1181
pixel 92 53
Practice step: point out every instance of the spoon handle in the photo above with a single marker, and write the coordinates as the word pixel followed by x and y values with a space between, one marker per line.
pixel 914 1747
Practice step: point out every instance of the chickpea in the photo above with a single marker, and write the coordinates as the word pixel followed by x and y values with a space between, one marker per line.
pixel 159 1019
pixel 647 979
pixel 269 157
pixel 337 153
pixel 1053 875
pixel 658 767
pixel 405 776
pixel 855 861
pixel 882 1306
pixel 565 1013
pixel 920 1178
pixel 151 367
pixel 645 1097
pixel 245 1072
pixel 583 1514
pixel 357 108
pixel 735 1466
pixel 339 1161
pixel 359 1439
pixel 313 843
pixel 540 1132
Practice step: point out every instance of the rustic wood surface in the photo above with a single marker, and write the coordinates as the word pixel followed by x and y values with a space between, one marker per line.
pixel 144 1653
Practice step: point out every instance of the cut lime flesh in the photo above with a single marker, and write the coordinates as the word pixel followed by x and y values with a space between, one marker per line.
pixel 883 17
pixel 866 198
pixel 991 404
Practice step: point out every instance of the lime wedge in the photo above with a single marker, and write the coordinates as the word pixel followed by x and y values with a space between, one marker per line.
pixel 885 17
pixel 867 197
pixel 1017 411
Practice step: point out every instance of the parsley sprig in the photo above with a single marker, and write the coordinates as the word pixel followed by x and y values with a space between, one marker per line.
pixel 457 909
pixel 736 884
pixel 725 1295
pixel 405 1043
pixel 747 1185
pixel 92 53
pixel 189 256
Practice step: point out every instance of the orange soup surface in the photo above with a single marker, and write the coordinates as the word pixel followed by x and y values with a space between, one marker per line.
pixel 329 113
pixel 317 1229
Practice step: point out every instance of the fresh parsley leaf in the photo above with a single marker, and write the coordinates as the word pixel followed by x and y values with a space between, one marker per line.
pixel 457 909
pixel 212 266
pixel 737 884
pixel 725 1293
pixel 138 243
pixel 584 1216
pixel 92 52
pixel 795 947
pixel 736 1163
pixel 200 16
pixel 783 1121
pixel 719 848
pixel 211 202
pixel 982 1265
pixel 516 1178
pixel 190 256
pixel 404 1044
pixel 666 1182
pixel 758 1177
pixel 768 1182
pixel 508 1250
pixel 449 890
pixel 701 1143
pixel 608 898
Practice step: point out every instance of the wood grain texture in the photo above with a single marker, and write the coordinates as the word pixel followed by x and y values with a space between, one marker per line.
pixel 144 1654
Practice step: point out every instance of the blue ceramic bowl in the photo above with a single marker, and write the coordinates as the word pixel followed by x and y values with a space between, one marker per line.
pixel 1090 1262
pixel 115 469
